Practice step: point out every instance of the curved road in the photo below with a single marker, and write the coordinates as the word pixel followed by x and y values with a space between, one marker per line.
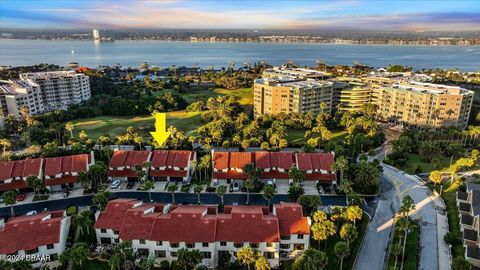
pixel 396 185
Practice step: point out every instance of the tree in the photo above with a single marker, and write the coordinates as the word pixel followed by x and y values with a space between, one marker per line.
pixel 348 232
pixel 34 183
pixel 198 189
pixel 122 255
pixel 429 150
pixel 246 256
pixel 248 185
pixel 459 263
pixel 367 177
pixel 346 187
pixel 295 191
pixel 83 222
pixel 340 165
pixel 396 250
pixel 309 203
pixel 221 190
pixel 268 193
pixel 322 230
pixel 79 253
pixel 435 177
pixel 10 198
pixel 407 205
pixel 261 263
pixel 296 175
pixel 311 259
pixel 5 143
pixel 149 185
pixel 172 188
pixel 83 136
pixel 342 250
pixel 101 199
pixel 188 259
pixel 69 126
pixel 404 224
pixel 84 180
pixel 224 261
pixel 353 213
pixel 149 263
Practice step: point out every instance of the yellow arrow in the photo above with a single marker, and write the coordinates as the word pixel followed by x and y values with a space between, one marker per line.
pixel 160 134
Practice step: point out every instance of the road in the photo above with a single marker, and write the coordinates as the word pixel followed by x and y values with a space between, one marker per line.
pixel 164 197
pixel 396 185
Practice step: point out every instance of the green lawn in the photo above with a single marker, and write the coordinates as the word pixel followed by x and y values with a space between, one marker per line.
pixel 411 254
pixel 114 125
pixel 415 161
pixel 245 94
pixel 297 136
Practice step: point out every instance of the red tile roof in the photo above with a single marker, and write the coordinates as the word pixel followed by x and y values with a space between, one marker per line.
pixel 122 173
pixel 113 215
pixel 291 219
pixel 66 179
pixel 274 175
pixel 136 224
pixel 67 164
pixel 282 160
pixel 20 168
pixel 230 175
pixel 314 161
pixel 30 232
pixel 167 172
pixel 171 158
pixel 250 224
pixel 232 160
pixel 320 176
pixel 128 158
pixel 220 160
pixel 16 184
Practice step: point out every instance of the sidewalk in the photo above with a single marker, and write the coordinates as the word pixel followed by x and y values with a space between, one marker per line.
pixel 444 254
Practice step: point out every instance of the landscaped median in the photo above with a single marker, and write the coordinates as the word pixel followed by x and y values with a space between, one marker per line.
pixel 410 260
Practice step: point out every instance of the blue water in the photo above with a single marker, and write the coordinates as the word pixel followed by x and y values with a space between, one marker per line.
pixel 166 53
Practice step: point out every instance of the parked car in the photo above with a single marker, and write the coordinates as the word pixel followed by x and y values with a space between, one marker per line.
pixel 115 184
pixel 31 213
pixel 236 187
pixel 20 197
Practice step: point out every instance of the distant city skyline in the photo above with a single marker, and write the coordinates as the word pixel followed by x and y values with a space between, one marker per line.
pixel 294 15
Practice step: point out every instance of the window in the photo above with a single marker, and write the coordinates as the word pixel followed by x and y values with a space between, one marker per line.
pixel 117 240
pixel 159 243
pixel 269 255
pixel 269 244
pixel 298 246
pixel 254 245
pixel 50 246
pixel 207 255
pixel 190 245
pixel 105 241
pixel 160 253
pixel 238 245
pixel 284 246
pixel 173 254
pixel 54 257
pixel 223 244
pixel 300 236
pixel 103 230
pixel 174 245
pixel 285 237
pixel 205 244
pixel 32 251
pixel 142 241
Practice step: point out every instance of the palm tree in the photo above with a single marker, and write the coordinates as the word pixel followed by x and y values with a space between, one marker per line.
pixel 172 188
pixel 83 222
pixel 296 175
pixel 322 230
pixel 221 190
pixel 246 256
pixel 69 126
pixel 84 180
pixel 340 165
pixel 101 199
pixel 249 185
pixel 149 185
pixel 10 198
pixel 149 263
pixel 261 263
pixel 342 250
pixel 311 259
pixel 188 259
pixel 348 232
pixel 34 183
pixel 116 261
pixel 268 193
pixel 353 213
pixel 198 189
pixel 6 144
pixel 407 205
pixel 404 224
pixel 346 187
pixel 396 250
pixel 79 253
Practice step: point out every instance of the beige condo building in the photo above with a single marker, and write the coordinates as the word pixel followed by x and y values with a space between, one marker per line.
pixel 422 105
pixel 351 94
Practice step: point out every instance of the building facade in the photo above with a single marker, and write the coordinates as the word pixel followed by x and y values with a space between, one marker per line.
pixel 162 230
pixel 468 204
pixel 42 236
pixel 43 91
pixel 351 94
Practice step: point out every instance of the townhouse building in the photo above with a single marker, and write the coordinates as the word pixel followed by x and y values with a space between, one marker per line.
pixel 468 204
pixel 42 237
pixel 162 230
pixel 124 163
pixel 228 167
pixel 13 174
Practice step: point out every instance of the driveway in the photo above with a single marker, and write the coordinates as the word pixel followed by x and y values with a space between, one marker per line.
pixel 396 185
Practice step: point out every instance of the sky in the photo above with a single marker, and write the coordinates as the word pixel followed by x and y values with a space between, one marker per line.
pixel 386 15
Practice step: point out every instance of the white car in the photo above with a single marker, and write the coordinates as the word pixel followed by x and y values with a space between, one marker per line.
pixel 115 184
pixel 31 213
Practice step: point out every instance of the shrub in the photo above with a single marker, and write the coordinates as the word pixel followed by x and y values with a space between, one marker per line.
pixel 71 211
pixel 452 238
